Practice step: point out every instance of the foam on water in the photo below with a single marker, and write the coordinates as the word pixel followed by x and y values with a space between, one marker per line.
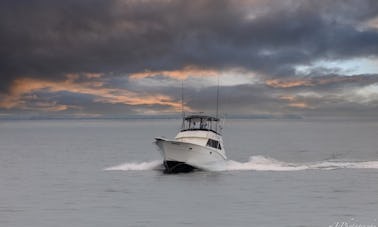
pixel 258 163
pixel 261 163
pixel 152 165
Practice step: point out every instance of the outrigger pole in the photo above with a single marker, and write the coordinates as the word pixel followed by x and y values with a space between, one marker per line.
pixel 182 103
pixel 182 98
pixel 217 113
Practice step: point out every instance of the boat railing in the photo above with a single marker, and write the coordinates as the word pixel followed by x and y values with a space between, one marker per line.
pixel 199 129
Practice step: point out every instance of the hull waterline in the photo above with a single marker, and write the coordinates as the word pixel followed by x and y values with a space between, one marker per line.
pixel 177 167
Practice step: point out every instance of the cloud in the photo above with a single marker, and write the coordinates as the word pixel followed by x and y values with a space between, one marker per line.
pixel 113 41
pixel 52 38
pixel 24 91
pixel 371 23
pixel 320 81
pixel 177 74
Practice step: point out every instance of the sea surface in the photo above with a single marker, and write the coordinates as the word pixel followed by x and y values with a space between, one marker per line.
pixel 87 173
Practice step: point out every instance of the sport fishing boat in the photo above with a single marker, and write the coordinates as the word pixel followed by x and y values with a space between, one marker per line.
pixel 198 145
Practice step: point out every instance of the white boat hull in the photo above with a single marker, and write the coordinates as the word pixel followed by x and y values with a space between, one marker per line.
pixel 183 156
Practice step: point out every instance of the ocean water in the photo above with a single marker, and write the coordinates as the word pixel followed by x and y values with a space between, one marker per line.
pixel 108 173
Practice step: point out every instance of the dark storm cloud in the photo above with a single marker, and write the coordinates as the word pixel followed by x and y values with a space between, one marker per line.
pixel 50 38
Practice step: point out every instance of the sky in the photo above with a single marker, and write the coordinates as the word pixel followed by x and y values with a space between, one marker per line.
pixel 272 58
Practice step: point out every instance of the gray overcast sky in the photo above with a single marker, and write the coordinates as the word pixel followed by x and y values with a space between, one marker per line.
pixel 305 58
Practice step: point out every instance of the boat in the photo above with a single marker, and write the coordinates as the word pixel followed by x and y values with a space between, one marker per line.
pixel 197 146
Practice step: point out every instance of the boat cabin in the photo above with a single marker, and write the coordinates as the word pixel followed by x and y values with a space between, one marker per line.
pixel 200 122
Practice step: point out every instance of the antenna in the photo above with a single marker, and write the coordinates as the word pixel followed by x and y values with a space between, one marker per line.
pixel 182 104
pixel 217 114
pixel 182 98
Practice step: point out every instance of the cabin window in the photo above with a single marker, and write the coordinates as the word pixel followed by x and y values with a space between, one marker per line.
pixel 214 144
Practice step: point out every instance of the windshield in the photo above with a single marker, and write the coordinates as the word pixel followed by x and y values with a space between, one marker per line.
pixel 200 123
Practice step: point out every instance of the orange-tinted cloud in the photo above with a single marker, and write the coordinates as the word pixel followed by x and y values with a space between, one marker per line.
pixel 18 97
pixel 177 74
pixel 287 97
pixel 277 83
pixel 294 102
pixel 49 106
pixel 372 23
pixel 301 105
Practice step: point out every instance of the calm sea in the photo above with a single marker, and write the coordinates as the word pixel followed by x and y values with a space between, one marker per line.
pixel 85 173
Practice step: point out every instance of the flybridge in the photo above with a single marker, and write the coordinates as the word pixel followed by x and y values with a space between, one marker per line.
pixel 205 117
pixel 200 122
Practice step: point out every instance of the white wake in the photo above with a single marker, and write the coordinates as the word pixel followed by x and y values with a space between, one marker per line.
pixel 152 165
pixel 258 163
pixel 261 163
